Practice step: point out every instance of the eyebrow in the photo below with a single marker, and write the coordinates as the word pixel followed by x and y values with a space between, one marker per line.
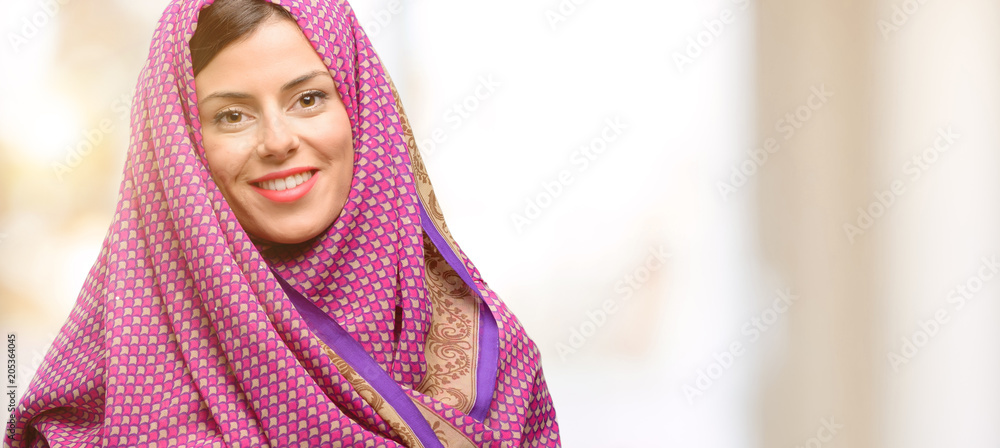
pixel 288 86
pixel 301 79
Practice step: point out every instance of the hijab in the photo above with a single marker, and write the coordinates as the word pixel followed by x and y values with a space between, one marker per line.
pixel 378 332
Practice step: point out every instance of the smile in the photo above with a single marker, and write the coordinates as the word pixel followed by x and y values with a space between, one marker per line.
pixel 289 188
pixel 287 183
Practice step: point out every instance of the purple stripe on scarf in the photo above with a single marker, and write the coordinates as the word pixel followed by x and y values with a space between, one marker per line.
pixel 489 355
pixel 489 335
pixel 346 347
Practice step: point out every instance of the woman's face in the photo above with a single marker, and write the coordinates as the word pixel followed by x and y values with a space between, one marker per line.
pixel 276 135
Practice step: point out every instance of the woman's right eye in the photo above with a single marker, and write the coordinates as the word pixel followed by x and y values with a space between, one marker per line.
pixel 233 117
pixel 230 116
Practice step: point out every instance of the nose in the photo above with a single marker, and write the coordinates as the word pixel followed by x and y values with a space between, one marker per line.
pixel 278 140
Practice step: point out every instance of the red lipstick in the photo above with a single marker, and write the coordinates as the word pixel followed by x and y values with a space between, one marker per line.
pixel 288 195
pixel 283 174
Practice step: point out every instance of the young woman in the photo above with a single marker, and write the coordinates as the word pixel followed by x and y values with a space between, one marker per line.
pixel 278 272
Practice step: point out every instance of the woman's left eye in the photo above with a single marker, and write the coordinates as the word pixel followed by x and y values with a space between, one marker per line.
pixel 310 99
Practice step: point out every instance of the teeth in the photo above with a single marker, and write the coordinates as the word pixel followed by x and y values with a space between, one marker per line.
pixel 286 183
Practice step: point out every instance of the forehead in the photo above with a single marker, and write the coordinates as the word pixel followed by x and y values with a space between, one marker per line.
pixel 276 50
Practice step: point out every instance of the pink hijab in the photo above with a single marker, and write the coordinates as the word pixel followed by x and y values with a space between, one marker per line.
pixel 187 333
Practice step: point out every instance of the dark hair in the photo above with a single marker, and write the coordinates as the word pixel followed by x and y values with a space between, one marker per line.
pixel 227 21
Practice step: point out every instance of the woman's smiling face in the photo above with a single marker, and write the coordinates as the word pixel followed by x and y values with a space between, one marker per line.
pixel 276 135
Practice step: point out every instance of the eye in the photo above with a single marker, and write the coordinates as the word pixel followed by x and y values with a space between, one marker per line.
pixel 311 99
pixel 230 117
pixel 233 117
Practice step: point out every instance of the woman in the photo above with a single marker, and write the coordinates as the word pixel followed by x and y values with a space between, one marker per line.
pixel 278 272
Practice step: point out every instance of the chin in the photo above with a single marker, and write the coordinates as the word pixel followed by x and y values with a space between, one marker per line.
pixel 290 229
pixel 292 238
pixel 287 236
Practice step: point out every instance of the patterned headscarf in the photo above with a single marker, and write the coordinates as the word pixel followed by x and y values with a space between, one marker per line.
pixel 187 333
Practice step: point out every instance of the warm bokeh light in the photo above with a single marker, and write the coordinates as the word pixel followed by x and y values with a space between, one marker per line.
pixel 41 127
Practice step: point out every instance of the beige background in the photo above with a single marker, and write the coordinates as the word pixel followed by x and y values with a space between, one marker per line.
pixel 625 364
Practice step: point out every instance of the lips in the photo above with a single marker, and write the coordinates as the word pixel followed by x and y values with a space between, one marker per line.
pixel 286 186
pixel 285 183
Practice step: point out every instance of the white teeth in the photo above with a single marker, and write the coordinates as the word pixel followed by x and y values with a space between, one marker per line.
pixel 286 183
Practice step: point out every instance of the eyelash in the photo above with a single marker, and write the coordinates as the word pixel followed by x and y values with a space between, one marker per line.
pixel 317 94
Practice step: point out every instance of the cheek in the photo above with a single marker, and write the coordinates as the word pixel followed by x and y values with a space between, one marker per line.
pixel 338 133
pixel 224 160
pixel 345 149
pixel 345 141
pixel 332 142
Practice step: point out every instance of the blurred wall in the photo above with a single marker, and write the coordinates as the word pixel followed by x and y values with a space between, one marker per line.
pixel 815 67
pixel 882 213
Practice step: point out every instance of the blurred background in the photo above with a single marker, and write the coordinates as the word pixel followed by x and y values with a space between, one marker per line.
pixel 727 223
